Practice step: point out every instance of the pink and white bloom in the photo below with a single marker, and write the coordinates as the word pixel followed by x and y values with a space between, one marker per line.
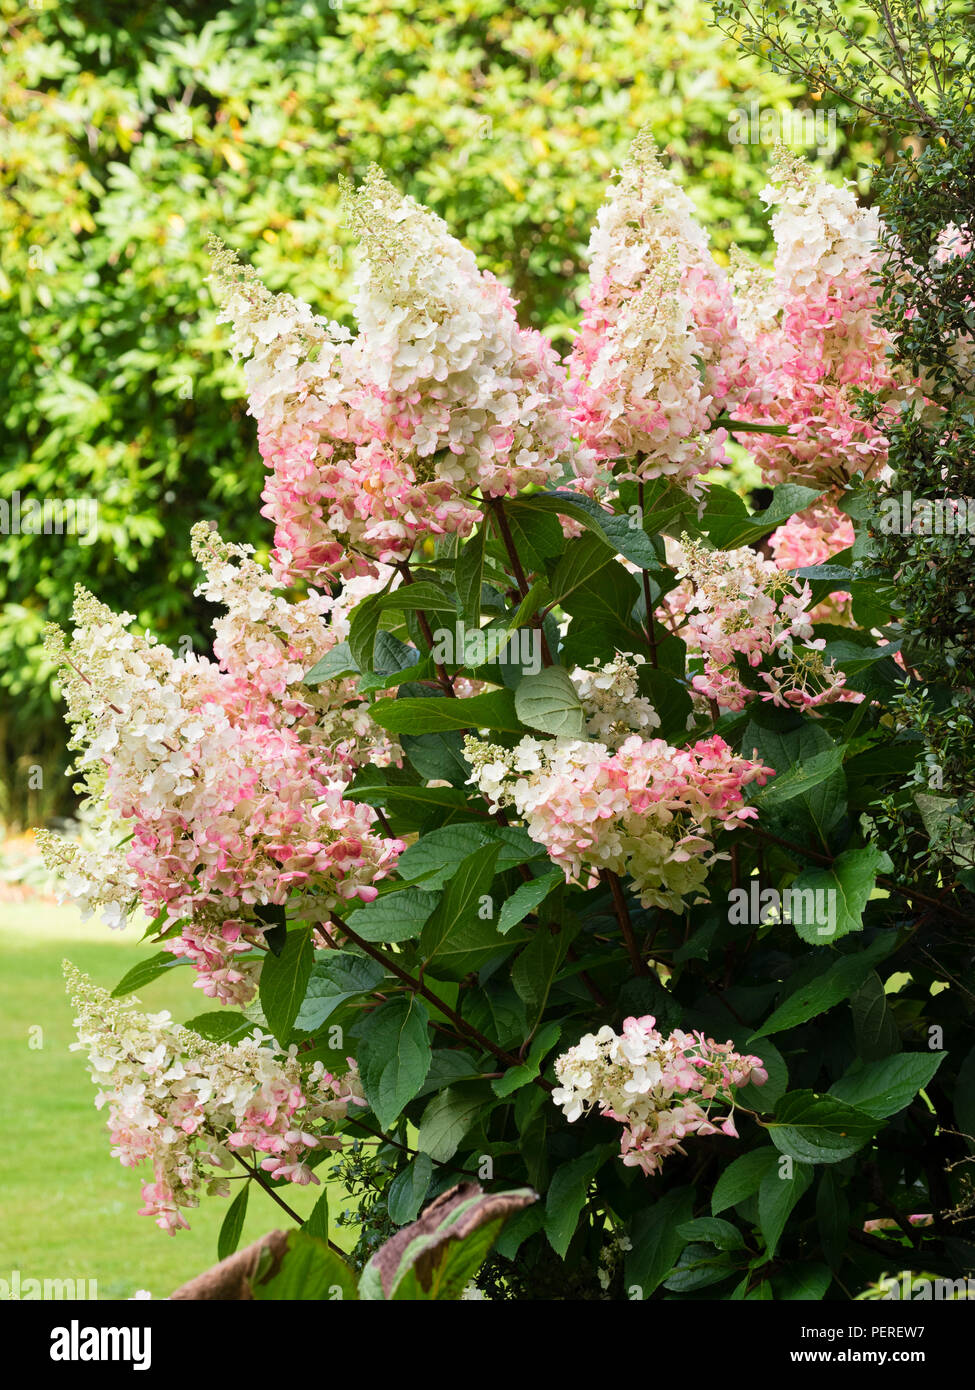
pixel 186 1106
pixel 660 1089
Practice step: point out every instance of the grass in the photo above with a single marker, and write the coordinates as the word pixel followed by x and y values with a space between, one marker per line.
pixel 67 1208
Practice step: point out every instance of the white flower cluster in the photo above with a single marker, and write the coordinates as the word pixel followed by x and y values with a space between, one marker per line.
pixel 271 642
pixel 661 1089
pixel 296 362
pixel 658 354
pixel 644 809
pixel 225 785
pixel 95 875
pixel 188 1105
pixel 440 340
pixel 378 441
pixel 823 235
pixel 610 695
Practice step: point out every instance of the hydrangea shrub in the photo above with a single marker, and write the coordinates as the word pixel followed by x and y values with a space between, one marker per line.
pixel 519 823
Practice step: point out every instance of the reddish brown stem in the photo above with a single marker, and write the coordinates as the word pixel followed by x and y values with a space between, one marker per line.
pixel 640 966
pixel 419 987
pixel 504 530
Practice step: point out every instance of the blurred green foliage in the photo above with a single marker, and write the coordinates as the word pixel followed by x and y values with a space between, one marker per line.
pixel 130 131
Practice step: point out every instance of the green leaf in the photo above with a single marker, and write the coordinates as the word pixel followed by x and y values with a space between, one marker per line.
pixel 469 576
pixel 698 1267
pixel 537 535
pixel 534 972
pixel 409 800
pixel 655 1240
pixel 526 897
pixel 874 1026
pixel 447 1066
pixel 310 1272
pixel 832 1217
pixel 882 1088
pixel 630 541
pixel 422 595
pixel 233 1223
pixel 817 806
pixel 516 1077
pixel 364 622
pixel 437 757
pixel 406 1193
pixel 316 1223
pixel 436 856
pixel 804 1282
pixel 518 1229
pixel 567 1196
pixel 392 657
pixel 837 982
pixel 597 589
pixel 363 626
pixel 730 525
pixel 341 975
pixel 742 1178
pixel 471 946
pixel 145 972
pixel 461 899
pixel 813 1128
pixel 394 663
pixel 221 1026
pixel 583 560
pixel 713 1230
pixel 394 1056
pixel 335 664
pixel 395 916
pixel 777 1195
pixel 496 1011
pixel 801 779
pixel 284 980
pixel 494 710
pixel 548 701
pixel 831 901
pixel 449 1116
pixel 669 697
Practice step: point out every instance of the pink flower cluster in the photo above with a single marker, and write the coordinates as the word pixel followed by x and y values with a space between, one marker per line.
pixel 378 441
pixel 734 602
pixel 219 778
pixel 658 355
pixel 187 1106
pixel 812 334
pixel 646 810
pixel 661 1090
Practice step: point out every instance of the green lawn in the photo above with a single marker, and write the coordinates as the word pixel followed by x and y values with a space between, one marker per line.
pixel 67 1209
